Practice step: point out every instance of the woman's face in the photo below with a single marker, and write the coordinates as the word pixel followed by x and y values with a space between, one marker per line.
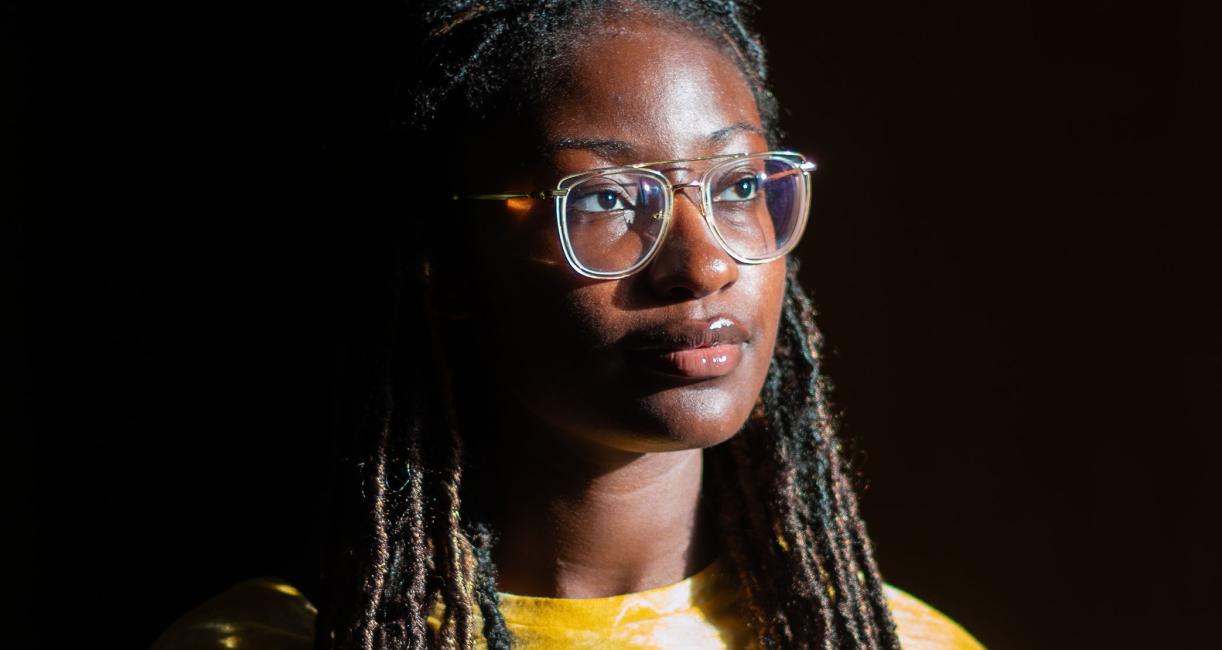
pixel 619 363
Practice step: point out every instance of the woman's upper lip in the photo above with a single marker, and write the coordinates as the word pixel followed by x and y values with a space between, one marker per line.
pixel 688 334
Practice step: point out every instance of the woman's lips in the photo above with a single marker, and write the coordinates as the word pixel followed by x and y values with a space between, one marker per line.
pixel 697 363
pixel 691 349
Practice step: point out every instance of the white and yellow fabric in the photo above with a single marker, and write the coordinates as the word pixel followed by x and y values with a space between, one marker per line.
pixel 704 611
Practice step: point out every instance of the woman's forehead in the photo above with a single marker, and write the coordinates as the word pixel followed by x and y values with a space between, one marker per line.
pixel 654 93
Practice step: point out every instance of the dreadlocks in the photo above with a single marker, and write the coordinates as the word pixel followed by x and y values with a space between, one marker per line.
pixel 407 545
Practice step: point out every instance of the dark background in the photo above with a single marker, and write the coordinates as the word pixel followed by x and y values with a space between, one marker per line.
pixel 1012 249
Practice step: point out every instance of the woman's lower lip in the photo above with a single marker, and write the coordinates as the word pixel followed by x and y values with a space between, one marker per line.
pixel 696 363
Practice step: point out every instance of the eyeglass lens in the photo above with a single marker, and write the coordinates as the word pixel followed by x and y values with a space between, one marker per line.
pixel 614 220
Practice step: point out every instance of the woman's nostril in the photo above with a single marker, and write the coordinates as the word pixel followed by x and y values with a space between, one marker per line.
pixel 682 293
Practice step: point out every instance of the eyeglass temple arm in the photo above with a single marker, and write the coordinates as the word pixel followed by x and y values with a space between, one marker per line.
pixel 541 194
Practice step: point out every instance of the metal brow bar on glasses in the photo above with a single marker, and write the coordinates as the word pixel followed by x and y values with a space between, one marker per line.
pixel 805 166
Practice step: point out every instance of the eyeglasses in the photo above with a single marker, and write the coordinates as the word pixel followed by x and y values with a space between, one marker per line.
pixel 613 221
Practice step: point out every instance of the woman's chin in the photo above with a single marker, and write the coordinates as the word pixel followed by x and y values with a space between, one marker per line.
pixel 693 423
pixel 674 419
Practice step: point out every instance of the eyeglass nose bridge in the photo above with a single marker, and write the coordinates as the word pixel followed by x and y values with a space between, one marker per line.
pixel 694 191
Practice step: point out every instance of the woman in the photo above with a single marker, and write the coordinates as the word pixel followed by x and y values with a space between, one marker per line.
pixel 600 420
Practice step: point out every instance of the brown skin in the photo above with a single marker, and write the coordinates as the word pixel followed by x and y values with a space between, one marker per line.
pixel 601 465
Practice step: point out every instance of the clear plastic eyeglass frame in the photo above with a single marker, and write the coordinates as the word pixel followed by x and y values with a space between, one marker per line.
pixel 560 194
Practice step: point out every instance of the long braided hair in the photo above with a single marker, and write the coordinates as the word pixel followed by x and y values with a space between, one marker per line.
pixel 409 540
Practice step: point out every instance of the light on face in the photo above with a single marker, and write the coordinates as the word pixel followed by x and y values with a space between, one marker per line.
pixel 519 208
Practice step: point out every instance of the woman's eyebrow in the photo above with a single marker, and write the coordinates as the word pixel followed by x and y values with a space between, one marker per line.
pixel 604 147
pixel 724 133
pixel 611 149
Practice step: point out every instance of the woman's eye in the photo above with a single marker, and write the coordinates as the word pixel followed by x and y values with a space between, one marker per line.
pixel 600 201
pixel 743 189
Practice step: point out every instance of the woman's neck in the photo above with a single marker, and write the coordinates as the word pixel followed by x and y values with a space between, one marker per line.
pixel 578 521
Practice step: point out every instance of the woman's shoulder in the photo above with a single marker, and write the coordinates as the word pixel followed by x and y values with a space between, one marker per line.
pixel 258 614
pixel 922 627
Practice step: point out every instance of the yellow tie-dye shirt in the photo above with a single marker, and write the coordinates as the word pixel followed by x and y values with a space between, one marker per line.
pixel 706 610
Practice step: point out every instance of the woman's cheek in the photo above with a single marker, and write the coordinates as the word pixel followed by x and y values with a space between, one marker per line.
pixel 535 236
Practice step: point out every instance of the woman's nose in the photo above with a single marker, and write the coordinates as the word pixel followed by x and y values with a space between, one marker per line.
pixel 691 264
